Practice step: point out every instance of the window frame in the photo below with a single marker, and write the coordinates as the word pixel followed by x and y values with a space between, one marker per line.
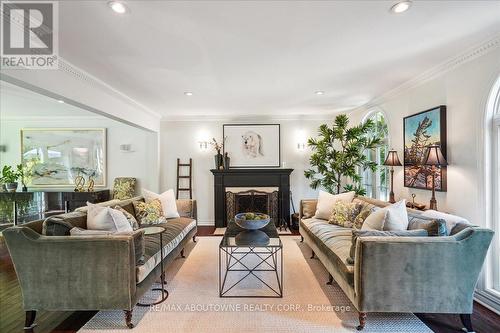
pixel 375 184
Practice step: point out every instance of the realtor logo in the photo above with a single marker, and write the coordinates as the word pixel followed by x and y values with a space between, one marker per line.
pixel 29 35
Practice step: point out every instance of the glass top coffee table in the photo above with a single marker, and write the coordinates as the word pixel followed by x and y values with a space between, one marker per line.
pixel 251 262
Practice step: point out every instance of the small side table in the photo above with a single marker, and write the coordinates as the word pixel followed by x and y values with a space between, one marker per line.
pixel 148 231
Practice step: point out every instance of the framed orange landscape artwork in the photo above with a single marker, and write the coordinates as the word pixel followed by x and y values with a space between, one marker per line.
pixel 421 130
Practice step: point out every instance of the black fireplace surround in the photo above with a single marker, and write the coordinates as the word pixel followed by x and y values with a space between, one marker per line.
pixel 251 178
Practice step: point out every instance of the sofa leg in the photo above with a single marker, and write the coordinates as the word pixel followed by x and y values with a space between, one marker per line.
pixel 330 279
pixel 362 321
pixel 128 318
pixel 467 322
pixel 194 239
pixel 313 255
pixel 182 254
pixel 301 239
pixel 29 323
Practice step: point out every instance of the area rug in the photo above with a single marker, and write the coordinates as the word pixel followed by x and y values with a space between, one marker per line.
pixel 221 231
pixel 308 304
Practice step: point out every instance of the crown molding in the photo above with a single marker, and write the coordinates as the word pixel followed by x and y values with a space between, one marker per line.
pixel 319 116
pixel 475 52
pixel 93 81
pixel 51 118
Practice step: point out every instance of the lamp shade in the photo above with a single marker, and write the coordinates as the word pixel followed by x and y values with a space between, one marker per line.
pixel 392 159
pixel 434 156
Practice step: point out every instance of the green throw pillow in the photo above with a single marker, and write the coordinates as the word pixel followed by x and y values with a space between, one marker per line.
pixel 149 213
pixel 344 213
pixel 56 226
pixel 366 233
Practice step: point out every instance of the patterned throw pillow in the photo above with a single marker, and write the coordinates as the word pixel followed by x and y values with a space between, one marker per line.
pixel 131 219
pixel 149 213
pixel 366 210
pixel 124 188
pixel 345 213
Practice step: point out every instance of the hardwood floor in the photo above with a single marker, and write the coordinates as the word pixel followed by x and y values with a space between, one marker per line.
pixel 12 314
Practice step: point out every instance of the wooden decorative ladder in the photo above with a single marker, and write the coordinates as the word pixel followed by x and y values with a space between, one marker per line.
pixel 190 177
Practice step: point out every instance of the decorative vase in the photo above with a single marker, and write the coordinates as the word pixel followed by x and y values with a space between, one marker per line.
pixel 11 187
pixel 219 161
pixel 25 189
pixel 227 161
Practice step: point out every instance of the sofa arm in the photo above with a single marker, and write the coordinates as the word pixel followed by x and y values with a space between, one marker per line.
pixel 73 272
pixel 307 208
pixel 419 274
pixel 187 208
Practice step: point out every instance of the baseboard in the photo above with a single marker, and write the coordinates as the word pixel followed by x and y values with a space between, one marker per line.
pixel 487 300
pixel 206 223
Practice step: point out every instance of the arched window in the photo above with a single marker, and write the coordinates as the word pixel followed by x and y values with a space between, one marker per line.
pixel 495 167
pixel 376 183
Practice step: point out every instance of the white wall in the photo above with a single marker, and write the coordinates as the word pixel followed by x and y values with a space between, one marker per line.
pixel 464 90
pixel 20 108
pixel 180 139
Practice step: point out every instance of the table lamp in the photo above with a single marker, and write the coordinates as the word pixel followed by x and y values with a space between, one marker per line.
pixel 434 157
pixel 392 160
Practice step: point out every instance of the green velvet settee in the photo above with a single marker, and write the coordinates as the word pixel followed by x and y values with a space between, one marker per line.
pixel 400 274
pixel 71 273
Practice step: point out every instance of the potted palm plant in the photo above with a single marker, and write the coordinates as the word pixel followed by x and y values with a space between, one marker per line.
pixel 9 178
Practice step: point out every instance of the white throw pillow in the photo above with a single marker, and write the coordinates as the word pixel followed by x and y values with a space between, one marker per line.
pixel 326 201
pixel 451 220
pixel 167 199
pixel 390 218
pixel 105 218
pixel 376 220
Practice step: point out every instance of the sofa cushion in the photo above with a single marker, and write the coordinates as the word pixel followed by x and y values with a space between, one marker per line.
pixel 175 231
pixel 334 241
pixel 344 213
pixel 56 226
pixel 434 227
pixel 326 201
pixel 367 233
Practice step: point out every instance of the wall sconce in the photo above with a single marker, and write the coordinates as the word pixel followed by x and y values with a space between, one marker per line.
pixel 203 145
pixel 301 146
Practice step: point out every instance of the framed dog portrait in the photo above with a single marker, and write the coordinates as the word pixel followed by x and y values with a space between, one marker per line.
pixel 252 145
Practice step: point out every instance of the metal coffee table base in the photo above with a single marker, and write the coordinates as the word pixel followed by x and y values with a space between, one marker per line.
pixel 231 259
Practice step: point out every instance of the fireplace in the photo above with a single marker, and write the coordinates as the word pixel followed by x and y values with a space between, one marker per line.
pixel 257 200
pixel 245 186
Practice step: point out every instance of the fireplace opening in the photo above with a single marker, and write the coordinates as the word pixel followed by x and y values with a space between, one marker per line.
pixel 265 202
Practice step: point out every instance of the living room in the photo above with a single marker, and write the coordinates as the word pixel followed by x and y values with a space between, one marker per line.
pixel 295 166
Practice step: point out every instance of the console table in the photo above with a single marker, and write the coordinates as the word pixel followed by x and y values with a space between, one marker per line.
pixel 18 207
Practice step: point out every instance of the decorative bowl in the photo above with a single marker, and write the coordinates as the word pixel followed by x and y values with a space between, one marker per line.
pixel 248 221
pixel 252 238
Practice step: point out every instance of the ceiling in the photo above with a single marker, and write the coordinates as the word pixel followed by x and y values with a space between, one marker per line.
pixel 17 102
pixel 251 58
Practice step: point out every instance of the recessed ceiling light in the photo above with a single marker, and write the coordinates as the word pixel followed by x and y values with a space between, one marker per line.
pixel 188 93
pixel 60 101
pixel 319 92
pixel 401 7
pixel 118 7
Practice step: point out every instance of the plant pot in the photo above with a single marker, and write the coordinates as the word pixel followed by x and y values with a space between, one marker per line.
pixel 25 189
pixel 219 161
pixel 11 187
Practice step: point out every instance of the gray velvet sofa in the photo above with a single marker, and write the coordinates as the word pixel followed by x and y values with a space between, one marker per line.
pixel 65 273
pixel 400 274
